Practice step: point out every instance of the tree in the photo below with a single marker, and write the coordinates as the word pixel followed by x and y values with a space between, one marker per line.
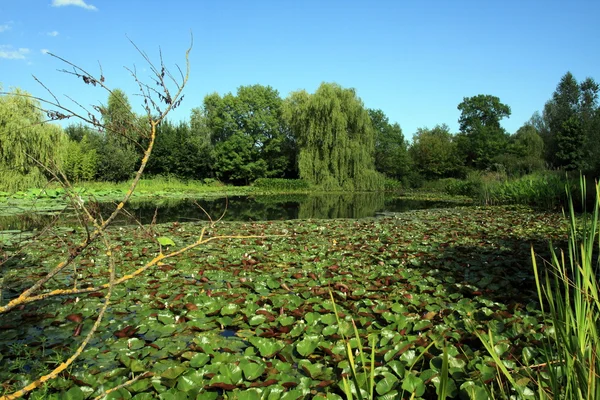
pixel 571 119
pixel 118 154
pixel 335 138
pixel 434 153
pixel 180 151
pixel 255 112
pixel 525 152
pixel 27 145
pixel 480 124
pixel 391 154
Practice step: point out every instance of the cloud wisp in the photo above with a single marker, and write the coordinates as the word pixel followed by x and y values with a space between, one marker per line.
pixel 77 3
pixel 4 27
pixel 9 53
pixel 53 33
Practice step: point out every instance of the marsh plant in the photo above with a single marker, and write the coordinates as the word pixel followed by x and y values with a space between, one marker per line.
pixel 569 296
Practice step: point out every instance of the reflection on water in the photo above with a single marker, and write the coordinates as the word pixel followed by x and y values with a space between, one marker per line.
pixel 242 208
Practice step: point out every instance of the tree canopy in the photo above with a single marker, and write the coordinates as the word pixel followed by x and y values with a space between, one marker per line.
pixel 391 154
pixel 483 137
pixel 26 143
pixel 335 138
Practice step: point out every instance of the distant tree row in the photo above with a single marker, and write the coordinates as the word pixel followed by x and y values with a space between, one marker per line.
pixel 328 138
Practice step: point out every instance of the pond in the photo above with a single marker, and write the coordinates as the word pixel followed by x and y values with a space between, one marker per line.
pixel 238 208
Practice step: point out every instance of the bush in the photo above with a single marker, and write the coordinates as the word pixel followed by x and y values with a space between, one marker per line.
pixel 392 184
pixel 461 187
pixel 281 184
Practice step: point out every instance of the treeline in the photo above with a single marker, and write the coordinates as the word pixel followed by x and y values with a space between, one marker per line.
pixel 327 138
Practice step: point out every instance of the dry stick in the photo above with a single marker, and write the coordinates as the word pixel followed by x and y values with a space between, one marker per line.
pixel 56 371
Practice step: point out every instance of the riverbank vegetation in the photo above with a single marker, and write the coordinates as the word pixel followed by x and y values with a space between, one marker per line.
pixel 329 139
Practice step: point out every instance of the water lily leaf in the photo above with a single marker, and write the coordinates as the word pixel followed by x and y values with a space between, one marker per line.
pixel 233 372
pixel 118 395
pixel 250 394
pixel 140 386
pixel 386 383
pixel 230 309
pixel 165 241
pixel 308 345
pixel 173 372
pixel 257 320
pixel 173 394
pixel 252 370
pixel 267 347
pixel 143 396
pixel 413 384
pixel 293 395
pixel 190 380
pixel 75 393
pixel 199 359
pixel 473 390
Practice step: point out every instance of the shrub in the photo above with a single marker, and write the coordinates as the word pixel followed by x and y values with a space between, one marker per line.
pixel 392 184
pixel 281 184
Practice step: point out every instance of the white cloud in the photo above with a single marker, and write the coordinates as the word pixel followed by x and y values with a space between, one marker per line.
pixel 9 53
pixel 53 33
pixel 4 27
pixel 77 3
pixel 44 51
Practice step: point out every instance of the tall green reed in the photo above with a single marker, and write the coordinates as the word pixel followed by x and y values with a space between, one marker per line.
pixel 569 297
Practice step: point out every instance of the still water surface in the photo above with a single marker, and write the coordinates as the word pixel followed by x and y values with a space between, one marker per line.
pixel 243 208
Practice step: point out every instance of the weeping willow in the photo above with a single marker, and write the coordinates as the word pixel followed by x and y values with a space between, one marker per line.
pixel 26 144
pixel 335 138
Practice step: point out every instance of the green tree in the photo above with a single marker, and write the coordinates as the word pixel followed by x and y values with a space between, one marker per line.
pixel 434 153
pixel 484 138
pixel 256 113
pixel 26 144
pixel 80 160
pixel 118 153
pixel 335 138
pixel 391 153
pixel 572 124
pixel 181 151
pixel 525 152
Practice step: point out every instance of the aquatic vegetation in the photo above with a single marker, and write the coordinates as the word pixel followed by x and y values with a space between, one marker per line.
pixel 255 319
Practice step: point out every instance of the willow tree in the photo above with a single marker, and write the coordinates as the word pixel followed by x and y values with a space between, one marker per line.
pixel 26 143
pixel 335 138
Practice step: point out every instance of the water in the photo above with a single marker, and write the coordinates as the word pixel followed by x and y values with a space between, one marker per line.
pixel 241 208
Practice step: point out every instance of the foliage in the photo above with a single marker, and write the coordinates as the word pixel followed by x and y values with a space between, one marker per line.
pixel 570 125
pixel 434 153
pixel 482 136
pixel 233 320
pixel 182 151
pixel 392 184
pixel 279 184
pixel 80 161
pixel 569 296
pixel 335 138
pixel 27 145
pixel 391 154
pixel 544 189
pixel 247 133
pixel 525 152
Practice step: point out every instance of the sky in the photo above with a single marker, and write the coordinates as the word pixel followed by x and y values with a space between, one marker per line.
pixel 415 60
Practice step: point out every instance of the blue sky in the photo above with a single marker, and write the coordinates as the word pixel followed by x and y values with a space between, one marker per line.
pixel 415 60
